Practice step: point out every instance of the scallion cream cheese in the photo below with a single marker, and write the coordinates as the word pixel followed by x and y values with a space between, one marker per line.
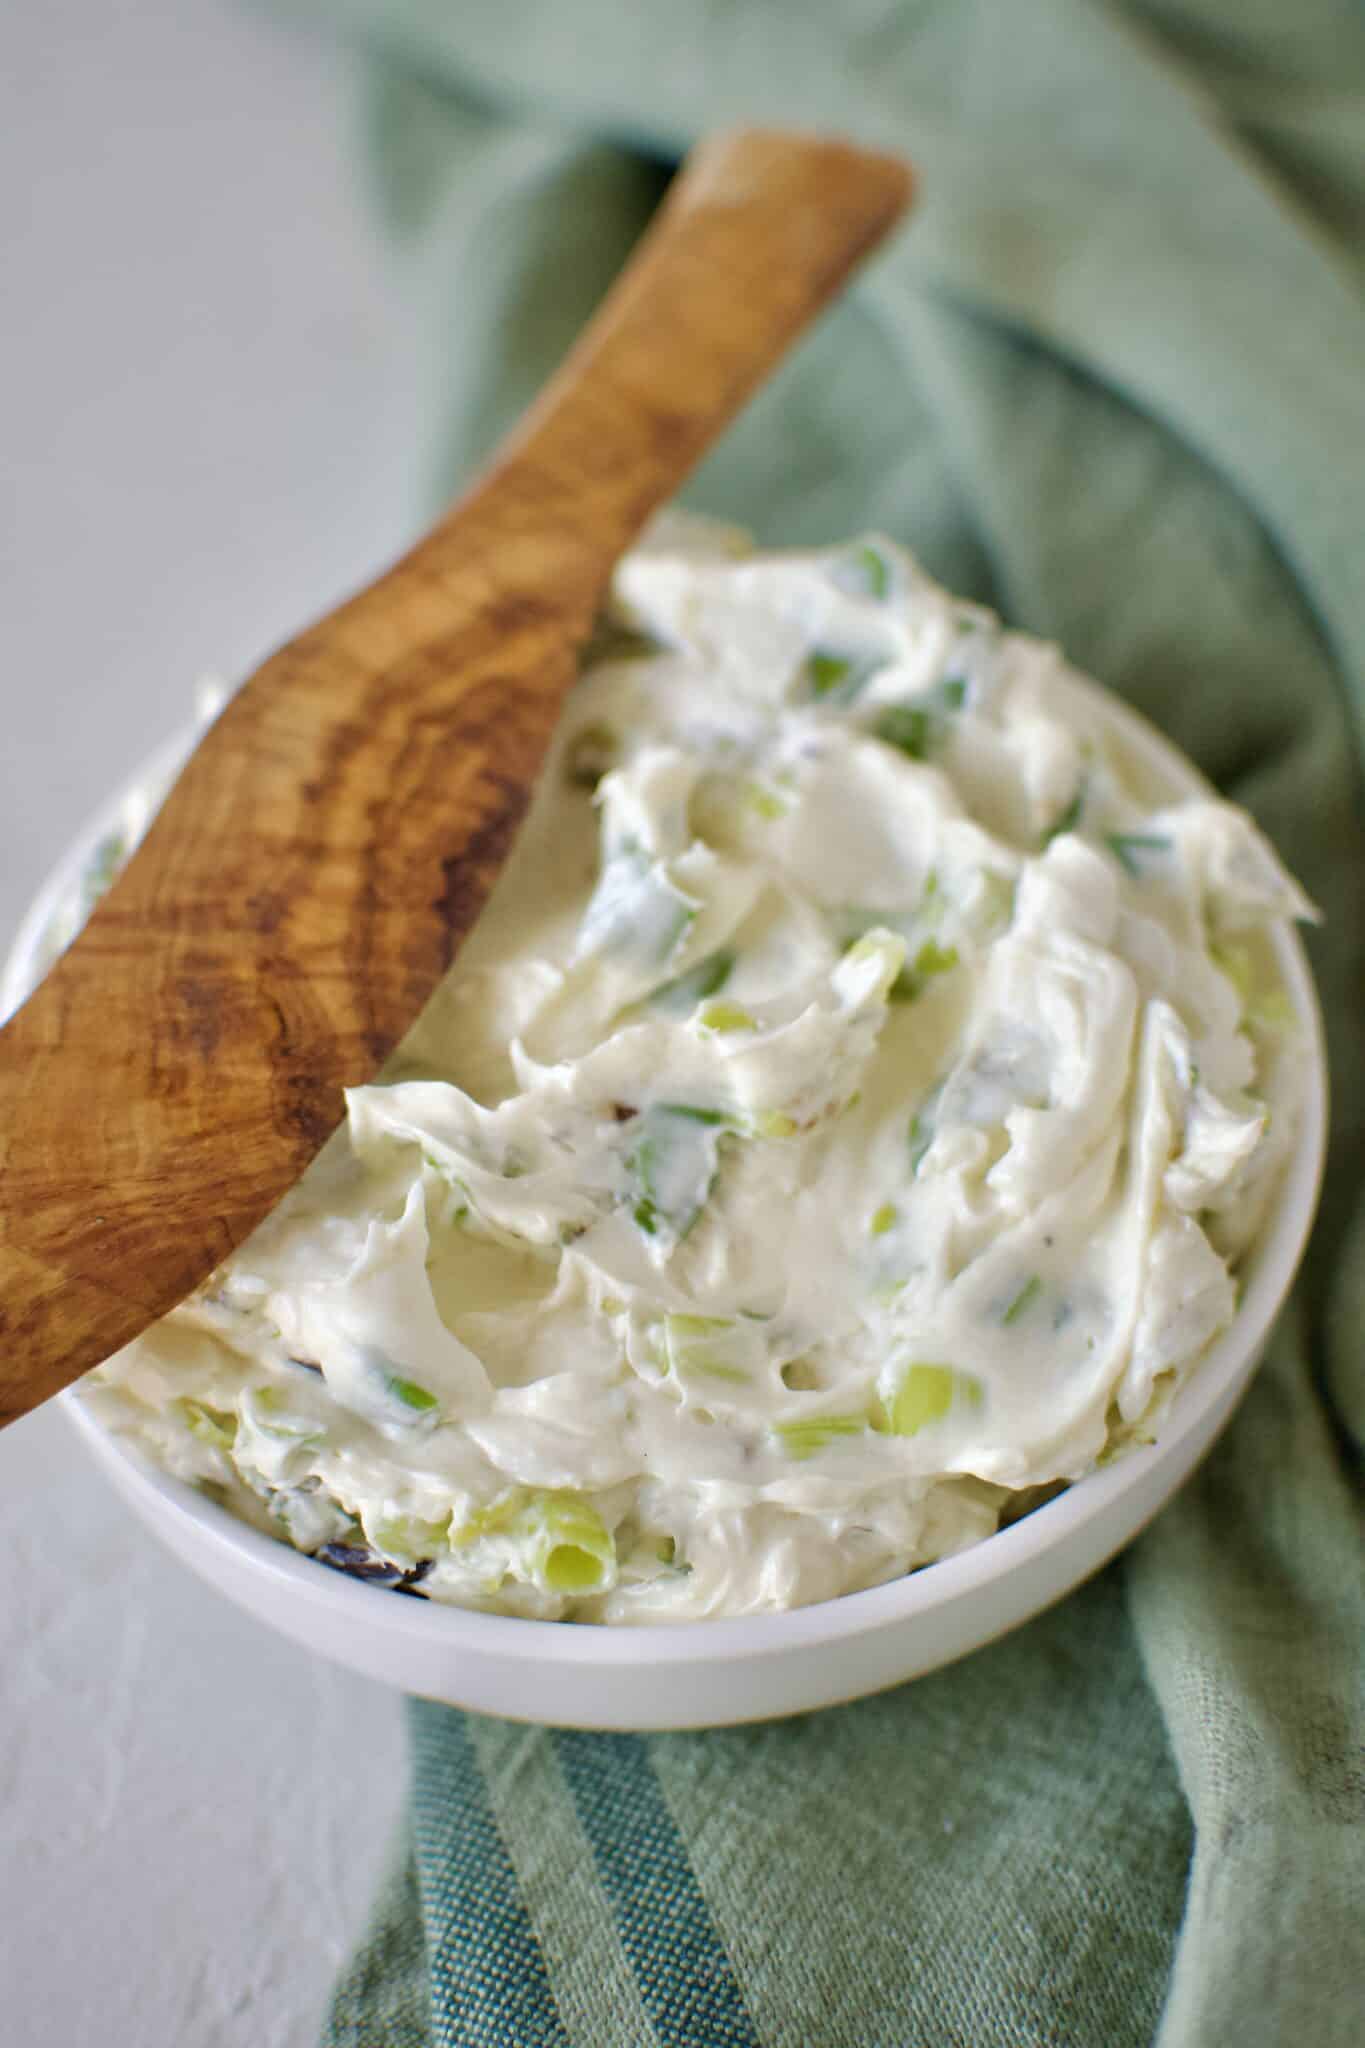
pixel 847 1118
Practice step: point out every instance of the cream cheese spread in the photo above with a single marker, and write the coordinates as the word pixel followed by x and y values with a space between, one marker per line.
pixel 846 1119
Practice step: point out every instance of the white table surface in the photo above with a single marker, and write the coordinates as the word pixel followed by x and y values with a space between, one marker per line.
pixel 199 386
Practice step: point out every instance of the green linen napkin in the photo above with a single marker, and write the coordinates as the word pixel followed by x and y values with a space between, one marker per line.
pixel 1111 380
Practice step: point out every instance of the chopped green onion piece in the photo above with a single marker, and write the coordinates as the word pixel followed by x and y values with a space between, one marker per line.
pixel 102 868
pixel 697 1344
pixel 930 961
pixel 679 998
pixel 570 1548
pixel 491 1520
pixel 880 950
pixel 724 1017
pixel 934 959
pixel 216 1427
pixel 924 1395
pixel 1274 1009
pixel 923 1129
pixel 1023 1300
pixel 771 1123
pixel 884 1219
pixel 907 727
pixel 563 1541
pixel 864 571
pixel 696 1326
pixel 1068 819
pixel 828 672
pixel 805 1438
pixel 408 1538
pixel 842 677
pixel 635 910
pixel 1268 1006
pixel 420 1399
pixel 766 802
pixel 695 1115
pixel 1127 847
pixel 674 1164
pixel 268 1409
pixel 918 730
pixel 1235 963
pixel 993 906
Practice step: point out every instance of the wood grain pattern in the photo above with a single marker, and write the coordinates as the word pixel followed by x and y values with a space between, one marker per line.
pixel 336 833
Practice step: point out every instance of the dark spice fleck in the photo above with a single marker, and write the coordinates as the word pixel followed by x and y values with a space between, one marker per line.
pixel 359 1563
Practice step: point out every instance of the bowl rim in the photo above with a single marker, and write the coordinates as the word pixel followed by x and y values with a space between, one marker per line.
pixel 1267 1277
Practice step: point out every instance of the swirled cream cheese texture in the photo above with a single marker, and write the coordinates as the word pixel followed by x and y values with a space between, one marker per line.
pixel 847 1118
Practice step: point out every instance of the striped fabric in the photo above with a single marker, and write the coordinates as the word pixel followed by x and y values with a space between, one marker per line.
pixel 806 1882
pixel 686 1983
pixel 1112 380
pixel 462 1942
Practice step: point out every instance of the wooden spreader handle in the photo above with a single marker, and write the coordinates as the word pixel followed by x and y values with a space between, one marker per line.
pixel 334 837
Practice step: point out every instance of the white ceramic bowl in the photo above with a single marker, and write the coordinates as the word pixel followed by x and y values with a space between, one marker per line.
pixel 710 1673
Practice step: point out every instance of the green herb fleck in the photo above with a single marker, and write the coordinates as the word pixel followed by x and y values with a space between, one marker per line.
pixel 1264 1004
pixel 930 961
pixel 216 1427
pixel 103 866
pixel 1023 1300
pixel 828 672
pixel 635 909
pixel 707 978
pixel 925 1394
pixel 805 1438
pixel 864 572
pixel 725 1017
pixel 918 730
pixel 772 1123
pixel 688 1327
pixel 408 1538
pixel 907 727
pixel 1128 847
pixel 884 1219
pixel 419 1399
pixel 1067 820
pixel 766 802
pixel 674 1164
pixel 697 1345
